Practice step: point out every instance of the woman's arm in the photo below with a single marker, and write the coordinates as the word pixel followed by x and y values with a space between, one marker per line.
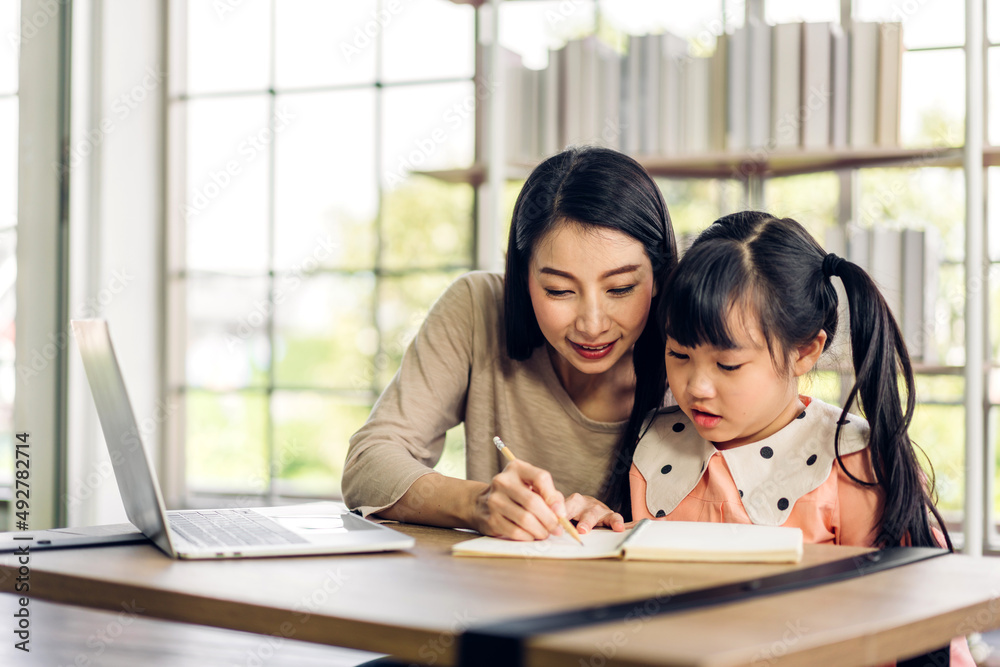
pixel 437 500
pixel 389 468
pixel 520 503
pixel 404 435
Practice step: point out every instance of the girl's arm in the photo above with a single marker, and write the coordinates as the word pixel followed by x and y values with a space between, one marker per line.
pixel 860 506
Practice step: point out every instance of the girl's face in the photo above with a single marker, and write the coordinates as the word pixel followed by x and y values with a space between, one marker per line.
pixel 736 397
pixel 590 289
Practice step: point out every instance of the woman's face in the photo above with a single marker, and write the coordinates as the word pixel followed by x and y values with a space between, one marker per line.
pixel 590 288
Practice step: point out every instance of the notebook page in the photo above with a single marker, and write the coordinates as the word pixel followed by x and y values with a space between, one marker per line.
pixel 713 542
pixel 596 544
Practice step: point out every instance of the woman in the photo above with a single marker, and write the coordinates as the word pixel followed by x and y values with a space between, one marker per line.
pixel 547 356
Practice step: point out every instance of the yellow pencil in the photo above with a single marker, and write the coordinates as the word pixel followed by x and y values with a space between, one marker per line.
pixel 562 520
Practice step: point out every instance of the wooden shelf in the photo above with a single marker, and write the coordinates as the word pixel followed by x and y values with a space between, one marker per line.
pixel 759 163
pixel 919 368
pixel 476 174
pixel 991 156
pixel 772 164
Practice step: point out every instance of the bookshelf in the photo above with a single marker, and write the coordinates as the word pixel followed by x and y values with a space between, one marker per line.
pixel 776 165
pixel 769 158
pixel 751 168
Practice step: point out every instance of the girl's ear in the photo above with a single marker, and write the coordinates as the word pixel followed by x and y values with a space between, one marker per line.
pixel 807 355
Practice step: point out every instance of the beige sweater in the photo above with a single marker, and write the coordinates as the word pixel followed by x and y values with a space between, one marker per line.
pixel 457 370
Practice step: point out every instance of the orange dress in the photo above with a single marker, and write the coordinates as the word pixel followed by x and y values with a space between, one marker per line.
pixel 790 478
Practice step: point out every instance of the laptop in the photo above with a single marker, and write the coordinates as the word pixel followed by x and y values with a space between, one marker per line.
pixel 297 530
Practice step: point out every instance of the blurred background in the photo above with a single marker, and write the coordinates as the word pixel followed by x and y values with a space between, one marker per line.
pixel 264 197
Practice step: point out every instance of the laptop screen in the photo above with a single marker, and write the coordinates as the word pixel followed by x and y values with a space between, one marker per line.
pixel 136 482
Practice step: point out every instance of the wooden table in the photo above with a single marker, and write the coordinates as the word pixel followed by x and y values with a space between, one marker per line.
pixel 74 636
pixel 415 604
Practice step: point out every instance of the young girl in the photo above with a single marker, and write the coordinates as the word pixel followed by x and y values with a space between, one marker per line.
pixel 547 356
pixel 750 309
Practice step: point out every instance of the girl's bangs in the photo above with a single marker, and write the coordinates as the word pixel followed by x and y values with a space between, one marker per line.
pixel 702 292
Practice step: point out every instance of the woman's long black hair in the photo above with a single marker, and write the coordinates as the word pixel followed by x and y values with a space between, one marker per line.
pixel 598 187
pixel 773 268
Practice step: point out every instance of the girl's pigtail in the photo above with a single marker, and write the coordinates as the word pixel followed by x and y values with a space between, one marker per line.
pixel 880 356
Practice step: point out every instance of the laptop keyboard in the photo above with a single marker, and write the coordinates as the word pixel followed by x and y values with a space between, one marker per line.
pixel 231 528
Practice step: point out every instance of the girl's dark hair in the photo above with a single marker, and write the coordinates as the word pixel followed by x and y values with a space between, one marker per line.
pixel 593 187
pixel 774 269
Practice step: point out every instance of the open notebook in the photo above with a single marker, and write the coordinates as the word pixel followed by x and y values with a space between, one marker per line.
pixel 656 540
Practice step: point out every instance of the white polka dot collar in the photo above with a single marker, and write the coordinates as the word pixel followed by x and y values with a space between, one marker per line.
pixel 771 475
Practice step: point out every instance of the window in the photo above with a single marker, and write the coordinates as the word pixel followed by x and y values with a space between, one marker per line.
pixel 993 337
pixel 306 246
pixel 9 25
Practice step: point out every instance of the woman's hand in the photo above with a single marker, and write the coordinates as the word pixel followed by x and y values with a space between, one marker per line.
pixel 589 512
pixel 521 503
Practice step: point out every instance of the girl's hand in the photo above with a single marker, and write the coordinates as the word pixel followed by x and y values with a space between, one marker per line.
pixel 521 503
pixel 590 512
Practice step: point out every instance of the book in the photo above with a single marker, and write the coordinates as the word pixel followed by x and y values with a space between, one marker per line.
pixel 513 90
pixel 864 84
pixel 718 96
pixel 655 541
pixel 839 86
pixel 530 106
pixel 609 83
pixel 737 74
pixel 570 73
pixel 886 266
pixel 759 86
pixel 631 104
pixel 649 94
pixel 859 247
pixel 587 107
pixel 696 106
pixel 673 53
pixel 817 88
pixel 890 62
pixel 920 284
pixel 786 85
pixel 551 138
